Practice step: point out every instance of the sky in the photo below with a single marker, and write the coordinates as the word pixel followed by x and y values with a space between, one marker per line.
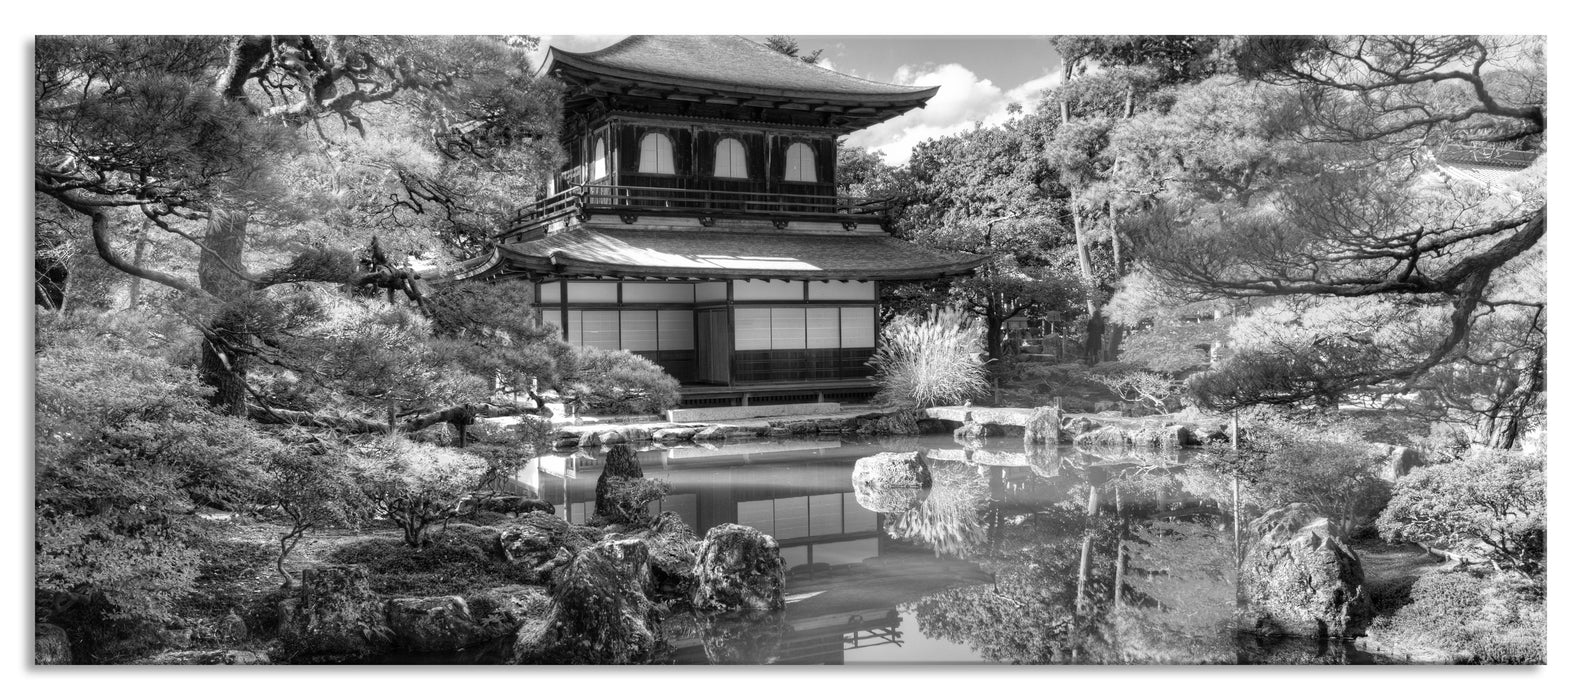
pixel 979 78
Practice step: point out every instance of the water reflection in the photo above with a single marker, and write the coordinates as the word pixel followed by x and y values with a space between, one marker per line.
pixel 1049 556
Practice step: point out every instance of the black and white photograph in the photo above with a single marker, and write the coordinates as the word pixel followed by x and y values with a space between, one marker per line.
pixel 722 349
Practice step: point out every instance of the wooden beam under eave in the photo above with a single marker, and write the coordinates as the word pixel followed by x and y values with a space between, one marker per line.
pixel 722 101
pixel 683 98
pixel 793 106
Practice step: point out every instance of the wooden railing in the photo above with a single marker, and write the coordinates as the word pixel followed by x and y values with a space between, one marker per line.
pixel 581 199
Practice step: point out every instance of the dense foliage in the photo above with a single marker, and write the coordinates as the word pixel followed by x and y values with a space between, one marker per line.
pixel 616 382
pixel 1475 618
pixel 1488 505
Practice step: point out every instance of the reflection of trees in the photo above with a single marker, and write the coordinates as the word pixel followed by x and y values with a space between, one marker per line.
pixel 951 519
pixel 1095 578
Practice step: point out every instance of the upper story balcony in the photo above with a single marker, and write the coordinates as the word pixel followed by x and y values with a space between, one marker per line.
pixel 633 202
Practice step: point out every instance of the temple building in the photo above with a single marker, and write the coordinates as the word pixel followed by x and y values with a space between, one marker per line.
pixel 699 225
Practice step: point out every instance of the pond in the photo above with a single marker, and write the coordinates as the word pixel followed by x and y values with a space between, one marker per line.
pixel 1051 557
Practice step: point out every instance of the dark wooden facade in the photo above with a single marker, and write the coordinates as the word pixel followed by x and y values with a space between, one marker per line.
pixel 726 272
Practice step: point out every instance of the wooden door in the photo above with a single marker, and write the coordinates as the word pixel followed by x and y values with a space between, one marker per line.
pixel 714 346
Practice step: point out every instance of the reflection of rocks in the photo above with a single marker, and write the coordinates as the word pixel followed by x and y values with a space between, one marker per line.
pixel 1298 578
pixel 619 463
pixel 1045 461
pixel 889 500
pixel 751 637
pixel 1289 651
pixel 948 519
pixel 600 614
pixel 739 568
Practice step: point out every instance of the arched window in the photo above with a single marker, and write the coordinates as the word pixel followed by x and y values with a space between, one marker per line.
pixel 658 156
pixel 800 164
pixel 730 159
pixel 599 168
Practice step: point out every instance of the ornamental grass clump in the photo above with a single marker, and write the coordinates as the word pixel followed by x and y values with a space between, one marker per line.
pixel 931 360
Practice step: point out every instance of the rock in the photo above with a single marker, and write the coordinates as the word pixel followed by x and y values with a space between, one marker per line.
pixel 891 482
pixel 504 503
pixel 334 615
pixel 569 443
pixel 588 439
pixel 892 470
pixel 600 613
pixel 969 431
pixel 739 568
pixel 51 646
pixel 672 556
pixel 1299 579
pixel 432 624
pixel 542 543
pixel 713 432
pixel 209 657
pixel 674 434
pixel 626 501
pixel 1179 436
pixel 1399 462
pixel 611 438
pixel 1043 426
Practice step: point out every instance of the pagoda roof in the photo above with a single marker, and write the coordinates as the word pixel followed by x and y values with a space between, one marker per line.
pixel 729 64
pixel 623 251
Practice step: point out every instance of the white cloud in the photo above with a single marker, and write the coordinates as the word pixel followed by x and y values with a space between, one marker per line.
pixel 963 99
pixel 578 43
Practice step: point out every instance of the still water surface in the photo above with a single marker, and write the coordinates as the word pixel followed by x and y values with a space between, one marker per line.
pixel 1055 557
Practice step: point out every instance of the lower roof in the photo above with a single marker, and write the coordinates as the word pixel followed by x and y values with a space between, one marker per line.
pixel 726 254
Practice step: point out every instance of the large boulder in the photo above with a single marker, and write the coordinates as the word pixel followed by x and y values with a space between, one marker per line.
pixel 891 482
pixel 432 624
pixel 892 470
pixel 542 542
pixel 51 647
pixel 969 431
pixel 1398 461
pixel 600 614
pixel 334 615
pixel 672 556
pixel 1043 426
pixel 1298 578
pixel 739 568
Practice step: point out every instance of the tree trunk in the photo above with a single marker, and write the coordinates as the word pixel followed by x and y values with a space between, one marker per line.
pixel 222 367
pixel 1093 345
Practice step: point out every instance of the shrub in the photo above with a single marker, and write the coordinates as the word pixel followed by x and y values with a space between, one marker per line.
pixel 125 447
pixel 616 381
pixel 931 360
pixel 312 491
pixel 1488 505
pixel 1152 390
pixel 1498 619
pixel 416 484
pixel 459 559
pixel 1329 467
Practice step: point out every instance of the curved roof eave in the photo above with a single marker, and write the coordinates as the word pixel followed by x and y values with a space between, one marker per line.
pixel 560 265
pixel 559 58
